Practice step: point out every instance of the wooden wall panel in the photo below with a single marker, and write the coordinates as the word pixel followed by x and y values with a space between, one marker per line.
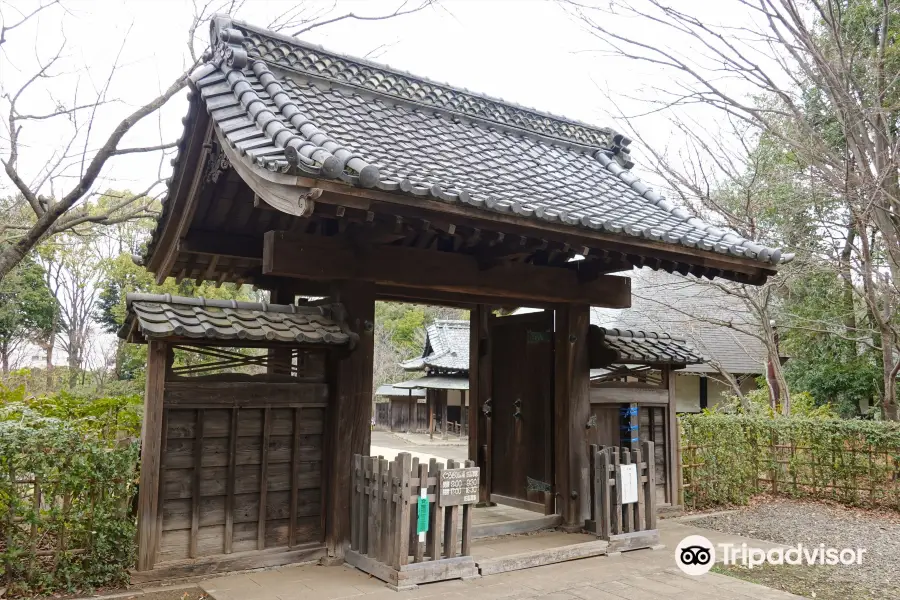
pixel 213 460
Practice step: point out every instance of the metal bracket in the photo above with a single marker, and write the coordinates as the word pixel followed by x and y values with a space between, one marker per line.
pixel 517 413
pixel 486 407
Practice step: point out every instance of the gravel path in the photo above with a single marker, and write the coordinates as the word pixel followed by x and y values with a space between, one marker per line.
pixel 812 523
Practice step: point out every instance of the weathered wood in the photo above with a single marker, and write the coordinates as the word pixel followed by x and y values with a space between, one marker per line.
pixel 595 485
pixel 239 561
pixel 487 530
pixel 228 393
pixel 419 548
pixel 602 476
pixel 442 397
pixel 351 410
pixel 617 395
pixel 539 558
pixel 571 412
pixel 374 536
pixel 319 257
pixel 195 494
pixel 640 517
pixel 672 437
pixel 467 509
pixel 649 452
pixel 627 510
pixel 479 393
pixel 355 501
pixel 230 481
pixel 264 479
pixel 402 509
pixel 151 443
pixel 517 503
pixel 616 500
pixel 295 459
pixel 436 517
pixel 451 522
pixel 387 492
pixel 160 516
pixel 634 540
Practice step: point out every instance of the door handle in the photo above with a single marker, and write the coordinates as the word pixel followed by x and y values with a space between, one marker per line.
pixel 517 413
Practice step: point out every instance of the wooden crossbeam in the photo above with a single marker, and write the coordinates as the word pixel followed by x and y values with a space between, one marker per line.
pixel 323 258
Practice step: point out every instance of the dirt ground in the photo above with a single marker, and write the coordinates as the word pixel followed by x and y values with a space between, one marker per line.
pixel 793 522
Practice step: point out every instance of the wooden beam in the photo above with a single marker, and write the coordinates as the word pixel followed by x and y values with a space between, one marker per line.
pixel 311 257
pixel 216 244
pixel 394 293
pixel 351 412
pixel 572 409
pixel 151 442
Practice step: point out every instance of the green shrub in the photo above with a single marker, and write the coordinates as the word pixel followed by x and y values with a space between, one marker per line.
pixel 726 459
pixel 68 469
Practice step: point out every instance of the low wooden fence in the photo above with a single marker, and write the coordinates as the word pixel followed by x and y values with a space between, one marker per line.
pixel 627 526
pixel 384 541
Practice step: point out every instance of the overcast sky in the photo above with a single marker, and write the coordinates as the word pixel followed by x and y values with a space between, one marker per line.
pixel 530 52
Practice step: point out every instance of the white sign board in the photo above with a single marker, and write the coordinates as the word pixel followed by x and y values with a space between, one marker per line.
pixel 628 477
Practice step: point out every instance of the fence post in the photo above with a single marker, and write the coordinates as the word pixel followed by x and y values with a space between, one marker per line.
pixel 436 517
pixel 423 483
pixel 617 498
pixel 372 487
pixel 679 467
pixel 591 525
pixel 402 468
pixel 354 503
pixel 626 510
pixel 650 502
pixel 639 516
pixel 384 507
pixel 605 509
pixel 467 521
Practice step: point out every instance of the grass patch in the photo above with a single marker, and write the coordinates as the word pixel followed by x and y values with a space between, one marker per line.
pixel 822 582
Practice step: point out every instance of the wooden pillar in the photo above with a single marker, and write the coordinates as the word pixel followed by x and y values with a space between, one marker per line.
pixel 430 400
pixel 479 395
pixel 151 455
pixel 280 359
pixel 350 412
pixel 673 472
pixel 442 394
pixel 464 412
pixel 572 410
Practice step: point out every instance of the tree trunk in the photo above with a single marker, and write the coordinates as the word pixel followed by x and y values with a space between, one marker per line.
pixel 4 353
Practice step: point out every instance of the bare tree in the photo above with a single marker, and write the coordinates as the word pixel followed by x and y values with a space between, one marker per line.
pixel 56 198
pixel 818 76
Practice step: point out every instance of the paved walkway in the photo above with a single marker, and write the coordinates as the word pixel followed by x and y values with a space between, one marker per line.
pixel 639 575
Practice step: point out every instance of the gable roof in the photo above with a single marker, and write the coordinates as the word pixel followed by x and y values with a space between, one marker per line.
pixel 160 316
pixel 446 347
pixel 285 107
pixel 684 307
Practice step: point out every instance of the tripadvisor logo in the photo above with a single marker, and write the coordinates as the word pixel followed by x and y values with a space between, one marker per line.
pixel 695 555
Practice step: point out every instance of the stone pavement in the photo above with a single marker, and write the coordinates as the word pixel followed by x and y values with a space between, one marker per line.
pixel 639 575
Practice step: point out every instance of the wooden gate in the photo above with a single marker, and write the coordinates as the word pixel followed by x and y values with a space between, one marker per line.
pixel 626 526
pixel 522 411
pixel 383 539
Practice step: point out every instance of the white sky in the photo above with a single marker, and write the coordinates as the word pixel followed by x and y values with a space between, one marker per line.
pixel 529 52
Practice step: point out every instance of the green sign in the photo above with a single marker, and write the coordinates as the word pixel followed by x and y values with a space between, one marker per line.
pixel 422 521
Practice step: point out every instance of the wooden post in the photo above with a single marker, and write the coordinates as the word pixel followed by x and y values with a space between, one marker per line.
pixel 650 502
pixel 281 359
pixel 640 519
pixel 467 522
pixel 679 473
pixel 200 417
pixel 479 393
pixel 436 517
pixel 572 410
pixel 401 523
pixel 451 521
pixel 151 443
pixel 595 485
pixel 423 483
pixel 627 510
pixel 442 394
pixel 430 397
pixel 671 436
pixel 616 500
pixel 350 412
pixel 605 497
pixel 373 538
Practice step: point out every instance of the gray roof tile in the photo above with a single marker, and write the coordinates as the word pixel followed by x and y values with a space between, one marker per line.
pixel 446 347
pixel 690 309
pixel 327 115
pixel 162 316
pixel 648 347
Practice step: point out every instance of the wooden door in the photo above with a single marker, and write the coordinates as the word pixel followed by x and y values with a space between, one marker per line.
pixel 522 411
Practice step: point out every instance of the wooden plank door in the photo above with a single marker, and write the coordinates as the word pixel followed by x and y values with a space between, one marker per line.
pixel 522 411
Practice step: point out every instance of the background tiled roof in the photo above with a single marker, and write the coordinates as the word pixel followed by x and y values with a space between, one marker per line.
pixel 684 307
pixel 446 347
pixel 161 316
pixel 335 117
pixel 645 347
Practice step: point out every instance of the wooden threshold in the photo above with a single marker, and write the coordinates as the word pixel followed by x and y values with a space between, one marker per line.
pixel 538 507
pixel 238 561
pixel 488 530
pixel 539 558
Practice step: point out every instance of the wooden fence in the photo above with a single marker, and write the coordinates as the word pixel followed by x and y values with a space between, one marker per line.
pixel 383 540
pixel 625 526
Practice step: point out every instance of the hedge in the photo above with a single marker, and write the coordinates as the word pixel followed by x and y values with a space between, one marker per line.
pixel 727 459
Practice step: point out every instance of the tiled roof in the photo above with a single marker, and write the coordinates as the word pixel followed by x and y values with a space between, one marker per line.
pixel 390 390
pixel 446 347
pixel 649 347
pixel 691 309
pixel 436 382
pixel 289 107
pixel 165 316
